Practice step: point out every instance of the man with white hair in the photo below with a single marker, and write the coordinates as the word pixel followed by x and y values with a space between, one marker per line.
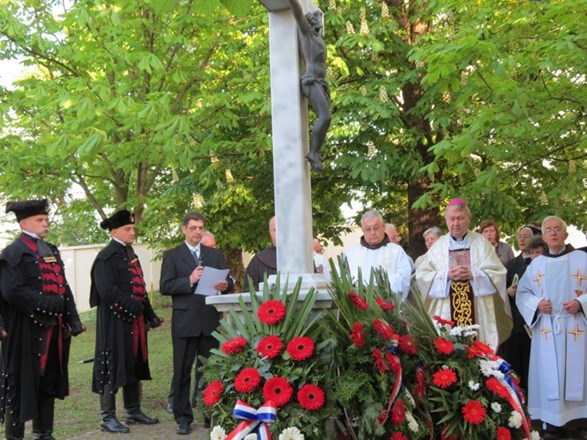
pixel 550 297
pixel 376 251
pixel 461 279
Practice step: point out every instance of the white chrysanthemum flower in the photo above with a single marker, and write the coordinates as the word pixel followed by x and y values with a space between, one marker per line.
pixel 291 434
pixel 535 435
pixel 472 327
pixel 496 407
pixel 515 420
pixel 473 386
pixel 412 423
pixel 409 398
pixel 498 374
pixel 486 368
pixel 470 333
pixel 456 331
pixel 250 437
pixel 218 433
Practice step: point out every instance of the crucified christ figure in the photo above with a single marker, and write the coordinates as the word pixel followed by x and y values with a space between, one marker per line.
pixel 313 81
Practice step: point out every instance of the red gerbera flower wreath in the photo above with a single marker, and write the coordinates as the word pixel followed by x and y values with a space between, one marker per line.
pixel 270 346
pixel 383 328
pixel 300 348
pixel 444 378
pixel 358 301
pixel 384 304
pixel 247 380
pixel 473 412
pixel 444 346
pixel 278 390
pixel 358 334
pixel 213 392
pixel 311 397
pixel 271 312
pixel 503 433
pixel 234 345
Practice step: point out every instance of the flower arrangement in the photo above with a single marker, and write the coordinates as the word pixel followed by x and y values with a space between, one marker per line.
pixel 273 355
pixel 471 392
pixel 379 377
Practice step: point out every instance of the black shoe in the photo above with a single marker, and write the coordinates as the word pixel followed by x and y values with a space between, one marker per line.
pixel 113 425
pixel 183 429
pixel 43 436
pixel 140 418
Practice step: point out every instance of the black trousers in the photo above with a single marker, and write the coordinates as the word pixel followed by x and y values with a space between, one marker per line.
pixel 185 351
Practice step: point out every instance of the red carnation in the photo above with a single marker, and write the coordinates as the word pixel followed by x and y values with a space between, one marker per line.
pixel 384 304
pixel 358 301
pixel 398 436
pixel 270 346
pixel 383 328
pixel 479 349
pixel 443 321
pixel 300 348
pixel 234 345
pixel 398 412
pixel 379 360
pixel 444 346
pixel 493 384
pixel 247 380
pixel 278 390
pixel 407 345
pixel 357 334
pixel 271 312
pixel 473 412
pixel 444 378
pixel 213 392
pixel 311 397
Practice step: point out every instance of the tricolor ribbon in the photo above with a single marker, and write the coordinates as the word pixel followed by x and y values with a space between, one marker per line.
pixel 397 386
pixel 514 397
pixel 255 420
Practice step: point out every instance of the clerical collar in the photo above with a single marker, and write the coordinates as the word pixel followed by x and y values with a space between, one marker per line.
pixel 119 241
pixel 30 234
pixel 384 242
pixel 459 238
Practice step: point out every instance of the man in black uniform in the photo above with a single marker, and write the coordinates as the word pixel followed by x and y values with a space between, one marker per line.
pixel 39 314
pixel 193 322
pixel 124 316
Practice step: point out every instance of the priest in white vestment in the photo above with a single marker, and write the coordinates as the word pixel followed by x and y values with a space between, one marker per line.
pixel 375 251
pixel 550 297
pixel 461 279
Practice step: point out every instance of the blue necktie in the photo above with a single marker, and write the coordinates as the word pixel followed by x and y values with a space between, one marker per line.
pixel 196 256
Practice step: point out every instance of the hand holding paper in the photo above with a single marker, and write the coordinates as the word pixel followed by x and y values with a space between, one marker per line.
pixel 210 276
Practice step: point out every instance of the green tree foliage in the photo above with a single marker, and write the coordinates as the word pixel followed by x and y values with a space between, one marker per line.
pixel 483 100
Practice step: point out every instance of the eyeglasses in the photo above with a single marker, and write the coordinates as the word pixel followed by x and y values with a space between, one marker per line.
pixel 372 229
pixel 195 228
pixel 556 230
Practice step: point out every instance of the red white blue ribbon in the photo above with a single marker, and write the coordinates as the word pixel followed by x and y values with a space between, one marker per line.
pixel 397 386
pixel 255 420
pixel 515 399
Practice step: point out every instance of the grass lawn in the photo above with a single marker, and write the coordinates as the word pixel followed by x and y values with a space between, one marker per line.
pixel 80 412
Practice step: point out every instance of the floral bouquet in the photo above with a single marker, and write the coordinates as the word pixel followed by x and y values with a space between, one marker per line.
pixel 271 371
pixel 380 381
pixel 471 392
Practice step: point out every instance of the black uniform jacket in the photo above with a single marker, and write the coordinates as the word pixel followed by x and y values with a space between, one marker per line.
pixel 112 292
pixel 191 316
pixel 27 314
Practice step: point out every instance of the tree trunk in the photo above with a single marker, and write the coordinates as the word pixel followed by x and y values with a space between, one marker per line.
pixel 234 258
pixel 419 219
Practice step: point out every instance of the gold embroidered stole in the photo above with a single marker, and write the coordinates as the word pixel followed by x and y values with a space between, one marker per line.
pixel 462 306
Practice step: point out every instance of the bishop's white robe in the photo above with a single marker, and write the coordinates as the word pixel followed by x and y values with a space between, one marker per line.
pixel 491 305
pixel 557 376
pixel 391 257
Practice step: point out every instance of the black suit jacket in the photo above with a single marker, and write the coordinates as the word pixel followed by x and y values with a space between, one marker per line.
pixel 191 316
